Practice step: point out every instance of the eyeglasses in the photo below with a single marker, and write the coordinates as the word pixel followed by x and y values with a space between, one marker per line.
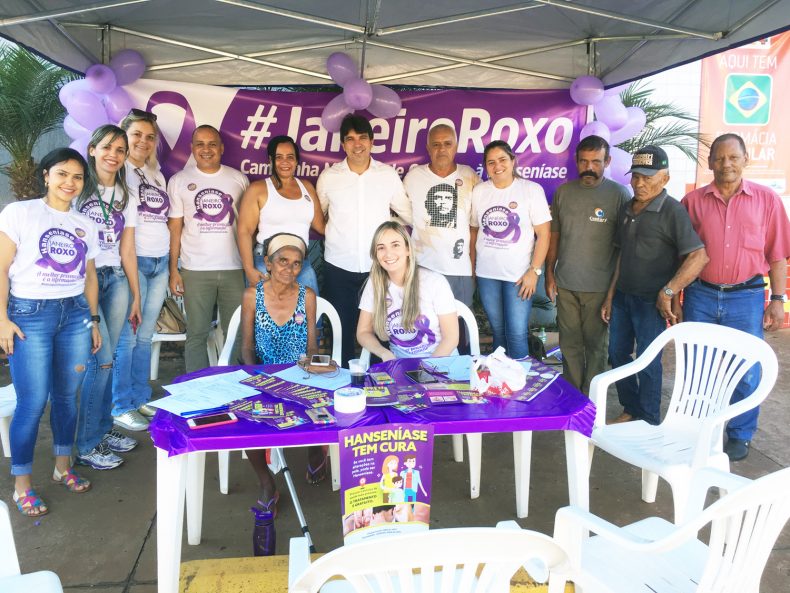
pixel 143 114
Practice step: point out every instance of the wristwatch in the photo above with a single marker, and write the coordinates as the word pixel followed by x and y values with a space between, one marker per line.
pixel 668 291
pixel 538 271
pixel 96 318
pixel 779 297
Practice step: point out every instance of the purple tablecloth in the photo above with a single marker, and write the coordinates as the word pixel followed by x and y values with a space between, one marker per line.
pixel 559 407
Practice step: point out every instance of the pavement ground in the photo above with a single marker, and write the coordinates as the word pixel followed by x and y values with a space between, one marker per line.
pixel 104 541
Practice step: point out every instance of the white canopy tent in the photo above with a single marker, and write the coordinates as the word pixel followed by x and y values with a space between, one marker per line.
pixel 459 43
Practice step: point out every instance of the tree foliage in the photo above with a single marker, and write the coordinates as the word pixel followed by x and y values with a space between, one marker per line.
pixel 667 124
pixel 29 108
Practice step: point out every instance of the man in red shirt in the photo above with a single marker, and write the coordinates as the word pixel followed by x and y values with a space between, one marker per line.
pixel 747 234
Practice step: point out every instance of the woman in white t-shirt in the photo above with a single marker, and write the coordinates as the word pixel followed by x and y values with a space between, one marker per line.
pixel 48 323
pixel 114 213
pixel 510 232
pixel 281 203
pixel 130 388
pixel 411 308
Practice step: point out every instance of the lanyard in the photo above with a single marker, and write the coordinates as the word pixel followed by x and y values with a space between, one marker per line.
pixel 104 211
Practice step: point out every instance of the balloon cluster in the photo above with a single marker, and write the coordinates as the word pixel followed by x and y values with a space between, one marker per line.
pixel 378 99
pixel 614 122
pixel 99 98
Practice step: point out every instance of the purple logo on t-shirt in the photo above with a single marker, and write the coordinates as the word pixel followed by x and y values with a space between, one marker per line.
pixel 62 251
pixel 115 219
pixel 409 338
pixel 213 205
pixel 153 200
pixel 499 222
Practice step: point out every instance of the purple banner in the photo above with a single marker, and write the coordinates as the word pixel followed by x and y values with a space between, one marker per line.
pixel 385 480
pixel 541 126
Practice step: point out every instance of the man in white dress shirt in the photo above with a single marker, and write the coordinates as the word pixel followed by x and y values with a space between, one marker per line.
pixel 356 195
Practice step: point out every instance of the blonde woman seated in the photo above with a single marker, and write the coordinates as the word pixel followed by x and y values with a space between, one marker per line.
pixel 410 307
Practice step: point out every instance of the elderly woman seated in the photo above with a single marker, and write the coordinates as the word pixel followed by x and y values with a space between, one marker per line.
pixel 278 318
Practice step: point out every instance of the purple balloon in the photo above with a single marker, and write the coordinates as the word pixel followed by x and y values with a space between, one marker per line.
pixel 586 90
pixel 619 166
pixel 334 112
pixel 128 65
pixel 358 93
pixel 118 103
pixel 101 79
pixel 87 110
pixel 73 129
pixel 636 121
pixel 611 111
pixel 595 128
pixel 67 91
pixel 81 145
pixel 385 102
pixel 341 67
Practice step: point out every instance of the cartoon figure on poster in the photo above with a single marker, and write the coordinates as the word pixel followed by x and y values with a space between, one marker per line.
pixel 411 479
pixel 382 490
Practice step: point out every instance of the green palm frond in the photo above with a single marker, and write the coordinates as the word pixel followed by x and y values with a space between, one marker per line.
pixel 667 124
pixel 29 105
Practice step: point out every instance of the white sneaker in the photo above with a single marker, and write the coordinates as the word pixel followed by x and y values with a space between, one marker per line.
pixel 131 420
pixel 147 411
pixel 119 442
pixel 100 457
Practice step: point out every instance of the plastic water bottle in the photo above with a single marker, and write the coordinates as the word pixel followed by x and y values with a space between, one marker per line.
pixel 264 536
pixel 542 335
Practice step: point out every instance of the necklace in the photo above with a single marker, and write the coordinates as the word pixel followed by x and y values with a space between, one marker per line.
pixel 104 211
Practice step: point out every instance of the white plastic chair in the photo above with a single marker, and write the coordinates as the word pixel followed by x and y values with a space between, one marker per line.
pixel 11 578
pixel 654 555
pixel 7 407
pixel 213 345
pixel 474 441
pixel 710 360
pixel 464 560
pixel 323 307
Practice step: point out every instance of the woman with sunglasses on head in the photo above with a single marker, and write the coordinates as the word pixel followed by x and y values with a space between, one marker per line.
pixel 512 217
pixel 411 308
pixel 278 326
pixel 115 215
pixel 48 323
pixel 281 203
pixel 131 391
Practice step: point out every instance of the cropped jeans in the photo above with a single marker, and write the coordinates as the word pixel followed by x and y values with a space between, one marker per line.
pixel 507 314
pixel 132 368
pixel 95 417
pixel 48 364
pixel 740 309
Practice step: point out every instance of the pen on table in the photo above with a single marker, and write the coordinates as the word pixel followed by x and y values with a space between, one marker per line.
pixel 206 411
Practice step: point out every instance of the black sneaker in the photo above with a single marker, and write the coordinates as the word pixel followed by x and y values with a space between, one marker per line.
pixel 736 449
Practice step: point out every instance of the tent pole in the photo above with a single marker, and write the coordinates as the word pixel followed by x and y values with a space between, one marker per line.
pixel 754 14
pixel 292 14
pixel 467 16
pixel 53 14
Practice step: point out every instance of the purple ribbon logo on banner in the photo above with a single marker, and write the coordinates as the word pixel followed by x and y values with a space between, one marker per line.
pixel 499 222
pixel 153 200
pixel 213 205
pixel 410 339
pixel 175 157
pixel 62 252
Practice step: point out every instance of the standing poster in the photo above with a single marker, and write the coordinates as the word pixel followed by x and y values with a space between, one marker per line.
pixel 385 480
pixel 742 92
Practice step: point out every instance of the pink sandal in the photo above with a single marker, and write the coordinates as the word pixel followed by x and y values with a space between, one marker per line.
pixel 28 501
pixel 71 481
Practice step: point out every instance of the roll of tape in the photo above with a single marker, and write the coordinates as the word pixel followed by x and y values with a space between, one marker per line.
pixel 349 400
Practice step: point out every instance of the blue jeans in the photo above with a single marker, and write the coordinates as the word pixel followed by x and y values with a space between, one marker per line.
pixel 636 320
pixel 740 309
pixel 307 276
pixel 132 368
pixel 507 314
pixel 95 417
pixel 48 364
